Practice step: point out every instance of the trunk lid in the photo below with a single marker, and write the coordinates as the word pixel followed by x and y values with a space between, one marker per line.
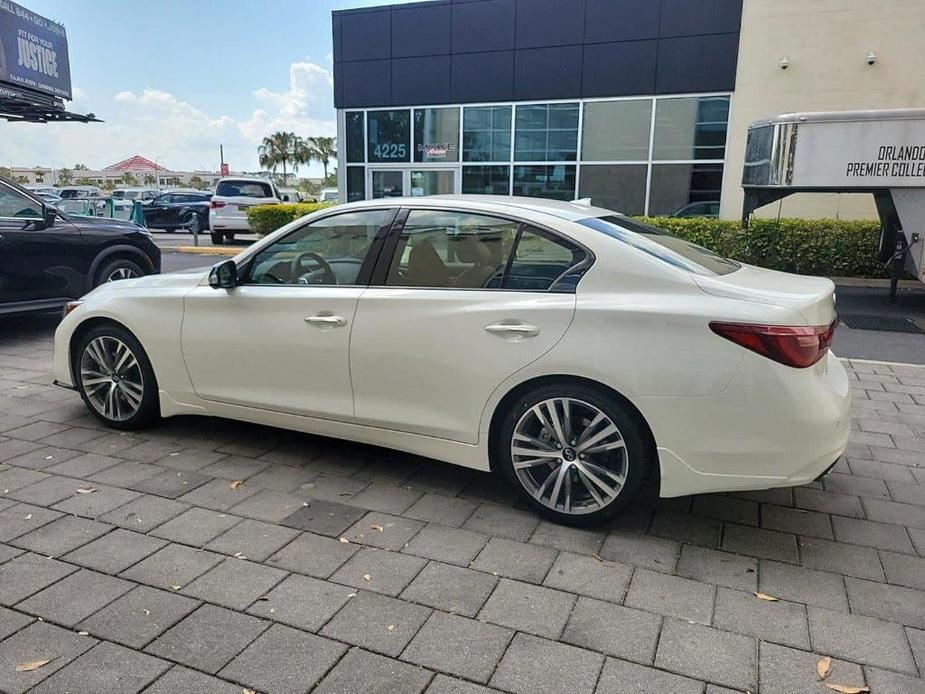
pixel 812 297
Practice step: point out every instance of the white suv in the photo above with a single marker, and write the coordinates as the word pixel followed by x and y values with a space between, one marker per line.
pixel 233 195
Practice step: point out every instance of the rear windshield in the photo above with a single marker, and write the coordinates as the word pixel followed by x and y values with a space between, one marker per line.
pixel 244 189
pixel 662 245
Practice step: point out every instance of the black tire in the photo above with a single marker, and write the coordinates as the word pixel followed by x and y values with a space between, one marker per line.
pixel 148 411
pixel 116 266
pixel 218 238
pixel 230 237
pixel 640 456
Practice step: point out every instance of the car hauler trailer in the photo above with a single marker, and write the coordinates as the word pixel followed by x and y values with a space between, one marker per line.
pixel 877 152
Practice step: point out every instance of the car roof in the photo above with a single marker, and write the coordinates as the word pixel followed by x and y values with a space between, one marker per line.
pixel 571 211
pixel 254 179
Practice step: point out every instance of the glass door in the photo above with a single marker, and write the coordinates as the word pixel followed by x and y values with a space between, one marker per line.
pixel 386 183
pixel 433 182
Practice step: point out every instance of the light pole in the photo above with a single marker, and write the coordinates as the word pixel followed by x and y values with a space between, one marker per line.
pixel 157 172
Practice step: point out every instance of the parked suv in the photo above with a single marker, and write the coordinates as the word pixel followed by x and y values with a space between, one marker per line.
pixel 143 195
pixel 228 212
pixel 48 258
pixel 179 210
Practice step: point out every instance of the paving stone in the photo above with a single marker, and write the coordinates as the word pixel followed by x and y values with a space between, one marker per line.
pixel 720 568
pixel 503 521
pixel 858 486
pixel 276 661
pixel 442 684
pixel 568 538
pixel 61 535
pixel 97 503
pixel 12 448
pixel 726 508
pixel 331 487
pixel 208 638
pixel 144 513
pixel 45 492
pixel 671 595
pixel 361 671
pixel 325 518
pixel 106 669
pixel 441 509
pixel 297 452
pixel 189 459
pixel 302 602
pixel 171 483
pixel 283 478
pixel 780 622
pixel 880 470
pixel 860 639
pixel 618 674
pixel 450 588
pixel 173 565
pixel 83 465
pixel 525 607
pixel 139 616
pixel 850 560
pixel 114 552
pixel 28 574
pixel 828 502
pixel 151 450
pixel 585 575
pixel 313 555
pixel 788 671
pixel 219 496
pixel 760 543
pixel 196 526
pixel 180 679
pixel 126 474
pixel 38 641
pixel 234 583
pixel 11 622
pixel 366 620
pixel 451 545
pixel 75 597
pixel 917 641
pixel 886 681
pixel 893 603
pixel 383 531
pixel 871 534
pixel 704 653
pixel 686 528
pixel 252 539
pixel 619 631
pixel 904 570
pixel 20 519
pixel 36 430
pixel 458 646
pixel 518 560
pixel 795 520
pixel 43 457
pixel 641 550
pixel 235 468
pixel 535 666
pixel 387 572
pixel 918 540
pixel 386 498
pixel 909 515
pixel 819 588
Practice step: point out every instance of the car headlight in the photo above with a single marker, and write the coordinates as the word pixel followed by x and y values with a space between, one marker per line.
pixel 70 306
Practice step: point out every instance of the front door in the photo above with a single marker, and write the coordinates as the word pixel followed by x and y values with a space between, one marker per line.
pixel 410 182
pixel 280 340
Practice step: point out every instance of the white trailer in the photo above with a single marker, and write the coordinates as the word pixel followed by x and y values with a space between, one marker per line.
pixel 877 152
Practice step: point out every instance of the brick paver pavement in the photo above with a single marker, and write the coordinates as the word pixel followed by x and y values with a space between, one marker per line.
pixel 130 563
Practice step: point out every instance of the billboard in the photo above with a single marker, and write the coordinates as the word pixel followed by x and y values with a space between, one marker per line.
pixel 33 52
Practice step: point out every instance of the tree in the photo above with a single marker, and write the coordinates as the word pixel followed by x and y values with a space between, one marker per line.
pixel 197 182
pixel 84 181
pixel 322 149
pixel 80 167
pixel 109 184
pixel 330 181
pixel 65 177
pixel 5 172
pixel 128 178
pixel 150 180
pixel 282 148
pixel 22 179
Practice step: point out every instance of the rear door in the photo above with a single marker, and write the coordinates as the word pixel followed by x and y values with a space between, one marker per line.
pixel 463 301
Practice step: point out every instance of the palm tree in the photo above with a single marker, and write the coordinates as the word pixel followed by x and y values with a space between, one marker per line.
pixel 322 149
pixel 197 182
pixel 150 180
pixel 64 177
pixel 281 148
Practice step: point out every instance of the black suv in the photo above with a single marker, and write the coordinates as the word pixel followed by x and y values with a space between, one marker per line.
pixel 48 258
pixel 179 210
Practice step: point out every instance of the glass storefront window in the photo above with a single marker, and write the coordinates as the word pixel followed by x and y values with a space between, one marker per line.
pixel 616 130
pixel 557 182
pixel 618 187
pixel 546 132
pixel 356 183
pixel 691 128
pixel 486 180
pixel 432 182
pixel 487 133
pixel 436 134
pixel 389 136
pixel 678 186
pixel 354 132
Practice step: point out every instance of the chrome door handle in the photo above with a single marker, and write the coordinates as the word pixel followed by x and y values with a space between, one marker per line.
pixel 513 330
pixel 331 321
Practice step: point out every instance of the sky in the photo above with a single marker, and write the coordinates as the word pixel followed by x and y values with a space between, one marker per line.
pixel 174 79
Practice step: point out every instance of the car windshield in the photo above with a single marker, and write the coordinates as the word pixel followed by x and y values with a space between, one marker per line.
pixel 69 193
pixel 662 245
pixel 244 189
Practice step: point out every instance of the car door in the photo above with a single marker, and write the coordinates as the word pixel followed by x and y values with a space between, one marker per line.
pixel 280 340
pixel 37 263
pixel 156 211
pixel 463 302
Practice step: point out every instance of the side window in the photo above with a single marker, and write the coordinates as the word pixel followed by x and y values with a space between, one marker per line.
pixel 14 204
pixel 166 199
pixel 539 260
pixel 449 249
pixel 328 251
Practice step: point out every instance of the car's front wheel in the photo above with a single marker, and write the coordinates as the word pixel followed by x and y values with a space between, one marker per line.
pixel 115 378
pixel 576 454
pixel 118 269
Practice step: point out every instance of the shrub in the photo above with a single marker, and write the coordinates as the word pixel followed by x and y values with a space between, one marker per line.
pixel 265 219
pixel 827 247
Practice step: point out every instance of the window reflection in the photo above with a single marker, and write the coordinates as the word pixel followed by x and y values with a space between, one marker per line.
pixel 487 133
pixel 691 128
pixel 546 132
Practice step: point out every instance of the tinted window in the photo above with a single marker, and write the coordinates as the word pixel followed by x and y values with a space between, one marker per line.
pixel 557 182
pixel 486 180
pixel 616 130
pixel 354 132
pixel 546 132
pixel 659 244
pixel 14 204
pixel 388 136
pixel 356 185
pixel 487 133
pixel 539 260
pixel 328 251
pixel 691 128
pixel 436 134
pixel 674 186
pixel 244 189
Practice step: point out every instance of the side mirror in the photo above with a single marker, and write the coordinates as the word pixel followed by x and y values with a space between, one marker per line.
pixel 49 215
pixel 224 275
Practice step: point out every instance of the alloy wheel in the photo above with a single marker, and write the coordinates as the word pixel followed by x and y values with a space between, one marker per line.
pixel 121 273
pixel 569 456
pixel 193 225
pixel 111 378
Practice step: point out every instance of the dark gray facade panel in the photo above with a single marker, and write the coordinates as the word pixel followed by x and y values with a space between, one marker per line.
pixel 692 17
pixel 543 23
pixel 621 20
pixel 482 77
pixel 697 64
pixel 418 31
pixel 547 73
pixel 485 25
pixel 619 69
pixel 421 80
pixel 367 82
pixel 366 35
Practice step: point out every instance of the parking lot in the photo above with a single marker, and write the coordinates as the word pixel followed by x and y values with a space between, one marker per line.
pixel 210 556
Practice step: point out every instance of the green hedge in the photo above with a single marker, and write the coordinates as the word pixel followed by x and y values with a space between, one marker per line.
pixel 265 219
pixel 827 247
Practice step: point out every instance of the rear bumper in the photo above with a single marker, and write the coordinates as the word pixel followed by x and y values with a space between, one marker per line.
pixel 234 224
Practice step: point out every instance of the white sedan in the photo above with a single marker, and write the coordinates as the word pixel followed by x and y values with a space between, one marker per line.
pixel 574 350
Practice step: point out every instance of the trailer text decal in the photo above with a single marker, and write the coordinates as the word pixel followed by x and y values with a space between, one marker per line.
pixel 899 162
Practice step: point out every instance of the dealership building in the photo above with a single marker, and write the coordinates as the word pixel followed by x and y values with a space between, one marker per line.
pixel 640 105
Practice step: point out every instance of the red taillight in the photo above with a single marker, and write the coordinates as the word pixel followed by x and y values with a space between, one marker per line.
pixel 797 346
pixel 215 204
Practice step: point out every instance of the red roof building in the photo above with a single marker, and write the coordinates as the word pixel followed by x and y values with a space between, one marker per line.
pixel 136 164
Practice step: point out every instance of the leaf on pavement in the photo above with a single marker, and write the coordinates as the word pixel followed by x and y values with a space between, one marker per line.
pixel 765 596
pixel 847 688
pixel 236 483
pixel 248 691
pixel 86 490
pixel 28 516
pixel 32 665
pixel 344 540
pixel 376 526
pixel 823 667
pixel 174 586
pixel 367 577
pixel 391 627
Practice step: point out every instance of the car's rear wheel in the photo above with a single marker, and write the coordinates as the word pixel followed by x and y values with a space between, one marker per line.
pixel 218 238
pixel 115 378
pixel 118 269
pixel 576 454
